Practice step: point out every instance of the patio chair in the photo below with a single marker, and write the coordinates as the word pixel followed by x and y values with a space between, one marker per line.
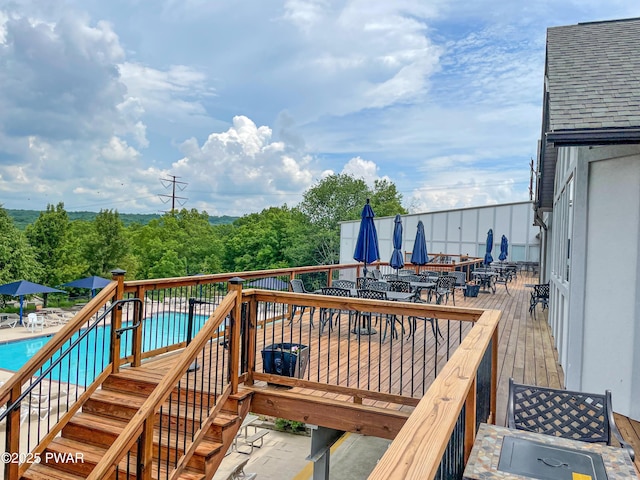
pixel 380 285
pixel 375 274
pixel 343 284
pixel 503 278
pixel 32 405
pixel 445 286
pixel 34 322
pixel 399 286
pixel 327 314
pixel 390 319
pixel 298 287
pixel 364 282
pixel 586 417
pixel 460 284
pixel 8 320
pixel 540 294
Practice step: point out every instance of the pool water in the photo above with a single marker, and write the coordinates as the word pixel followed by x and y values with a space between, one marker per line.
pixel 91 355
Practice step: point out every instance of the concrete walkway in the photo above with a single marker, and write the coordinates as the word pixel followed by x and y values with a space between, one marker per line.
pixel 283 457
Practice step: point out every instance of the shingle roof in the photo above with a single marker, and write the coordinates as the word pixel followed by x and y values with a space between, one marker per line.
pixel 593 72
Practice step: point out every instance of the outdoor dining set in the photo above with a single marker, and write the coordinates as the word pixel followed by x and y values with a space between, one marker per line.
pixel 404 286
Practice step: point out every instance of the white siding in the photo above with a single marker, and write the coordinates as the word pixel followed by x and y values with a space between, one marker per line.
pixel 454 232
pixel 594 266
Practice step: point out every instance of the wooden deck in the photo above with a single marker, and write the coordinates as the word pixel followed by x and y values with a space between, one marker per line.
pixel 526 353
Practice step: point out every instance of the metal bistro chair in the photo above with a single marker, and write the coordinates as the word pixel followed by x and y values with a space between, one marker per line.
pixel 298 287
pixel 586 417
pixel 375 273
pixel 364 282
pixel 460 283
pixel 390 319
pixel 445 286
pixel 540 294
pixel 380 285
pixel 326 314
pixel 503 278
pixel 343 284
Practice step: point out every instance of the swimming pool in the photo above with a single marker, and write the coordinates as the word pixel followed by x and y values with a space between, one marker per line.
pixel 91 355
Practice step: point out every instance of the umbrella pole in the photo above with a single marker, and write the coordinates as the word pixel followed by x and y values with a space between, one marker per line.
pixel 21 300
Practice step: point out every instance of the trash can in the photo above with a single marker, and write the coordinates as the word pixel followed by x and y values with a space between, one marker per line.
pixel 286 359
pixel 472 291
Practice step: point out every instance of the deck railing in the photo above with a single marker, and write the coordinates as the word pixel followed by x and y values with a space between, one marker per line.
pixel 245 322
pixel 52 385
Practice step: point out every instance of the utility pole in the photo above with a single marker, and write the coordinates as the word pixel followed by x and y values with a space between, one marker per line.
pixel 173 183
pixel 531 175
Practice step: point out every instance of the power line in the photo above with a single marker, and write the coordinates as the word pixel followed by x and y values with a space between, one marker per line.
pixel 173 183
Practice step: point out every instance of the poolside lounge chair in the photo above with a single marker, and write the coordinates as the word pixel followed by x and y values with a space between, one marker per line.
pixel 8 320
pixel 33 405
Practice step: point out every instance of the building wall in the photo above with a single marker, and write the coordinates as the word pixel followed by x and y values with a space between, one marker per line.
pixel 594 270
pixel 460 231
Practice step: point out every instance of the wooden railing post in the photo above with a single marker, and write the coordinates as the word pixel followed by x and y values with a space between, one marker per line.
pixel 116 320
pixel 11 468
pixel 137 332
pixel 235 283
pixel 146 462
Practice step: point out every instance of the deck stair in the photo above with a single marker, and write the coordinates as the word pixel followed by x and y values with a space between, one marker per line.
pixel 105 414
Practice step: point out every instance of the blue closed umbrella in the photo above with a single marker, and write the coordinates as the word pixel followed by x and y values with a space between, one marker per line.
pixel 419 255
pixel 487 256
pixel 22 288
pixel 504 249
pixel 92 283
pixel 397 260
pixel 367 250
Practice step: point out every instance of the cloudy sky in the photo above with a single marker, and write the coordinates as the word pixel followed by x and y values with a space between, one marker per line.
pixel 248 103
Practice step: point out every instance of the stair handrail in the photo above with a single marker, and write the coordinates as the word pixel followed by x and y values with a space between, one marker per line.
pixel 143 421
pixel 54 364
pixel 45 353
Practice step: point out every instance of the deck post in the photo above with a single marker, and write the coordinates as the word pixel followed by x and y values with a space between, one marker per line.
pixel 235 284
pixel 322 438
pixel 137 332
pixel 116 320
pixel 11 468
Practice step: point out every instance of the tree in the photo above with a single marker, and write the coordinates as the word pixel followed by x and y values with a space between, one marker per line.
pixel 334 199
pixel 186 234
pixel 385 199
pixel 17 258
pixel 107 246
pixel 47 235
pixel 339 198
pixel 277 237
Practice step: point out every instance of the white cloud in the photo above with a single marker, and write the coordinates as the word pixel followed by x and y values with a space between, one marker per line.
pixel 365 169
pixel 243 167
pixel 99 100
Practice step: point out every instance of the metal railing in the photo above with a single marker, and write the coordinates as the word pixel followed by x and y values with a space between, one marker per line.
pixel 224 331
pixel 161 439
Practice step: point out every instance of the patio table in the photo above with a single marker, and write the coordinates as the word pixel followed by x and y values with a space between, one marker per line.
pixel 537 456
pixel 486 279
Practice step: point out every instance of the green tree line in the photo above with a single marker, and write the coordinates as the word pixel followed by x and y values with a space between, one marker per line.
pixel 55 249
